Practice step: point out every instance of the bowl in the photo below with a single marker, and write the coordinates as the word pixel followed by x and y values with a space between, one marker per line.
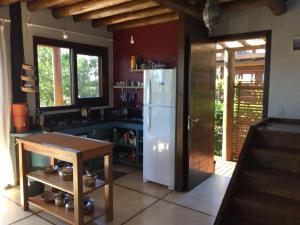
pixel 66 173
pixel 50 169
pixel 88 205
pixel 48 196
pixel 89 180
pixel 60 200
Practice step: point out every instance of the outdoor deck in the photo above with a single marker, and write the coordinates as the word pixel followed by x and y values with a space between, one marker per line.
pixel 224 168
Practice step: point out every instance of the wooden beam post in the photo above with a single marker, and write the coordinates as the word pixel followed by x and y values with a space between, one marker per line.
pixel 144 22
pixel 85 6
pixel 116 10
pixel 229 63
pixel 57 77
pixel 278 7
pixel 155 11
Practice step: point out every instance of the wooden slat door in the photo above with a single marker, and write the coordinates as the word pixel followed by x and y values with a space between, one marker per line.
pixel 201 101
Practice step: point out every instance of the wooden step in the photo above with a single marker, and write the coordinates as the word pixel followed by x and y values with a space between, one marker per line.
pixel 267 209
pixel 278 139
pixel 272 181
pixel 277 158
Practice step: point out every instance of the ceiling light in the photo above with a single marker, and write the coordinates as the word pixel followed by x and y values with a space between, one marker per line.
pixel 255 42
pixel 131 40
pixel 212 14
pixel 65 35
pixel 233 44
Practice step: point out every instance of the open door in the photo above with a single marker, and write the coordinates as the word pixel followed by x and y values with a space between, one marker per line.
pixel 201 100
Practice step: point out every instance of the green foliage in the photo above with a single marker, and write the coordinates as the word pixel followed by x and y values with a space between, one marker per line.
pixel 88 76
pixel 219 106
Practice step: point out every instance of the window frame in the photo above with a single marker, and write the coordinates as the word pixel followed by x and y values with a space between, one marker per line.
pixel 77 48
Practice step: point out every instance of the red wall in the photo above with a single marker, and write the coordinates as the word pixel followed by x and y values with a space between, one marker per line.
pixel 155 42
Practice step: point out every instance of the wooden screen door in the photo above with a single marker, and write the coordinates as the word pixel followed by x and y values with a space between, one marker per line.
pixel 201 102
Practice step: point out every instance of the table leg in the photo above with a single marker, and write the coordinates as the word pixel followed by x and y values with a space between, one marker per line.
pixel 23 178
pixel 53 161
pixel 108 188
pixel 78 191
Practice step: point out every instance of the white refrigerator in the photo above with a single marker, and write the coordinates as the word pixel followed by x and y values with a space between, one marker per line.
pixel 159 126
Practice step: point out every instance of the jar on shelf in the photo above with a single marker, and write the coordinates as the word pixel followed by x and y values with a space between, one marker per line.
pixel 133 63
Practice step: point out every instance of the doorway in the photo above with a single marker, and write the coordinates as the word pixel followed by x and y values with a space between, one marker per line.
pixel 241 95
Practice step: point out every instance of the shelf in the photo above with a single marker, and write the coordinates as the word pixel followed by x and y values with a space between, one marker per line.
pixel 137 71
pixel 62 213
pixel 128 87
pixel 54 180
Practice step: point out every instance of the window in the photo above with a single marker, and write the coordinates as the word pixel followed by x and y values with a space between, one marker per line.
pixel 70 75
pixel 88 76
pixel 54 76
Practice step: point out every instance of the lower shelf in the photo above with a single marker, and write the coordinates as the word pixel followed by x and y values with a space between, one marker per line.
pixel 62 213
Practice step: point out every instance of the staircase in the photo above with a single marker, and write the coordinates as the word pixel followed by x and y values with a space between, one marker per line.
pixel 265 187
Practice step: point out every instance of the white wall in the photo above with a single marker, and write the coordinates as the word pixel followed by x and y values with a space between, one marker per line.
pixel 284 96
pixel 98 37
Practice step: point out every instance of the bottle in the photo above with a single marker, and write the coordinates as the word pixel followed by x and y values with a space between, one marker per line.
pixel 133 63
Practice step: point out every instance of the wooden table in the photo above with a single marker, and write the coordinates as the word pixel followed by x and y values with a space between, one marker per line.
pixel 74 150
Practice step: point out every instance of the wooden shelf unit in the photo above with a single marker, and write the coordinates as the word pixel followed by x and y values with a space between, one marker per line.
pixel 74 150
pixel 62 213
pixel 55 181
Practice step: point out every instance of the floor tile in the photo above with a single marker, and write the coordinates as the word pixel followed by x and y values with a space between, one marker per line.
pixel 163 213
pixel 12 194
pixel 135 181
pixel 11 212
pixel 32 220
pixel 127 203
pixel 207 197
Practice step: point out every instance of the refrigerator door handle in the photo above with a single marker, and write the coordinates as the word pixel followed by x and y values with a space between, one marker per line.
pixel 149 93
pixel 149 119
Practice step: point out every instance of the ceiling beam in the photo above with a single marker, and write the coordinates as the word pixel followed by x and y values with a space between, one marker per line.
pixel 278 7
pixel 7 2
pixel 43 4
pixel 86 6
pixel 182 7
pixel 118 9
pixel 155 11
pixel 144 22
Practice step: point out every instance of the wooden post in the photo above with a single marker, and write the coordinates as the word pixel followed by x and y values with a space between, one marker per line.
pixel 78 190
pixel 229 74
pixel 23 177
pixel 108 188
pixel 57 72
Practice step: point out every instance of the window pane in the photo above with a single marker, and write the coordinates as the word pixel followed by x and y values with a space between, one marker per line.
pixel 88 76
pixel 54 76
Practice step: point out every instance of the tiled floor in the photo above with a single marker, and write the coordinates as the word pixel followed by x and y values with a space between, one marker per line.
pixel 135 203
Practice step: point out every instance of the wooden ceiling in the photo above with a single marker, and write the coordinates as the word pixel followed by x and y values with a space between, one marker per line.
pixel 124 14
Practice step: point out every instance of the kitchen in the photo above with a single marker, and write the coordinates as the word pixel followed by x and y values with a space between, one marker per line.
pixel 118 87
